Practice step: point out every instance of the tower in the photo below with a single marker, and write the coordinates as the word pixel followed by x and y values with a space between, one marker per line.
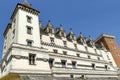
pixel 111 45
pixel 22 51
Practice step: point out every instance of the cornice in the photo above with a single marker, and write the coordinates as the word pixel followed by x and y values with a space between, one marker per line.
pixel 26 8
pixel 67 48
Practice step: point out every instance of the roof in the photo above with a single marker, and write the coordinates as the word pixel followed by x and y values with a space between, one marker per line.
pixel 104 36
pixel 19 5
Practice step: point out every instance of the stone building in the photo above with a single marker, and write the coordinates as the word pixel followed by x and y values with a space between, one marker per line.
pixel 111 45
pixel 33 49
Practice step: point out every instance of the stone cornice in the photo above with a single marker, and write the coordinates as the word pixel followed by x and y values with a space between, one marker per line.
pixel 26 8
pixel 67 48
pixel 76 58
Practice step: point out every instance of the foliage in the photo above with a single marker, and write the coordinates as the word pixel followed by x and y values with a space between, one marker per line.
pixel 11 76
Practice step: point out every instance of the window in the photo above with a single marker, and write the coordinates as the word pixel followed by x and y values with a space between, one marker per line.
pixel 62 33
pixel 108 57
pixel 93 66
pixel 14 31
pixel 64 52
pixel 95 50
pixel 86 48
pixel 63 63
pixel 73 37
pixel 52 40
pixel 51 62
pixel 75 45
pixel 29 30
pixel 111 41
pixel 29 42
pixel 71 76
pixel 98 58
pixel 32 59
pixel 13 34
pixel 78 55
pixel 14 21
pixel 50 30
pixel 55 51
pixel 106 67
pixel 29 19
pixel 73 65
pixel 89 57
pixel 65 43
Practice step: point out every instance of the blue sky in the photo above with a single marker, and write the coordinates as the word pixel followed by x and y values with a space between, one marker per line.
pixel 91 17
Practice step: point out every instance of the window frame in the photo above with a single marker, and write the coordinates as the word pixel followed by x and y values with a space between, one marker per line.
pixel 52 40
pixel 29 30
pixel 63 63
pixel 29 19
pixel 65 43
pixel 29 42
pixel 32 59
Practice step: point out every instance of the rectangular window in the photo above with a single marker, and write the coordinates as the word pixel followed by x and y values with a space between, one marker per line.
pixel 86 48
pixel 52 40
pixel 29 30
pixel 78 55
pixel 65 43
pixel 32 59
pixel 108 57
pixel 62 33
pixel 89 57
pixel 106 67
pixel 98 58
pixel 63 63
pixel 29 42
pixel 95 50
pixel 29 19
pixel 73 65
pixel 50 30
pixel 64 52
pixel 75 45
pixel 93 66
pixel 55 51
pixel 51 62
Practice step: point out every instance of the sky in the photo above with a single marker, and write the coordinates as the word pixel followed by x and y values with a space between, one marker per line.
pixel 91 17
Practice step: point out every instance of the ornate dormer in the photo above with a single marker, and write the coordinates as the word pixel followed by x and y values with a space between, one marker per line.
pixel 60 32
pixel 81 39
pixel 49 28
pixel 71 35
pixel 90 42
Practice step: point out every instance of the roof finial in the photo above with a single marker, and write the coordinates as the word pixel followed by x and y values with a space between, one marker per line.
pixel 26 3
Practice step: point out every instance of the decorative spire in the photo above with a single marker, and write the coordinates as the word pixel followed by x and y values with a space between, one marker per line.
pixel 49 24
pixel 61 27
pixel 71 32
pixel 90 38
pixel 27 3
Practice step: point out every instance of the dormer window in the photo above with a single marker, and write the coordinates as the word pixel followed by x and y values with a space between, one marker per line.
pixel 75 45
pixel 29 19
pixel 50 30
pixel 73 37
pixel 65 43
pixel 62 33
pixel 52 40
